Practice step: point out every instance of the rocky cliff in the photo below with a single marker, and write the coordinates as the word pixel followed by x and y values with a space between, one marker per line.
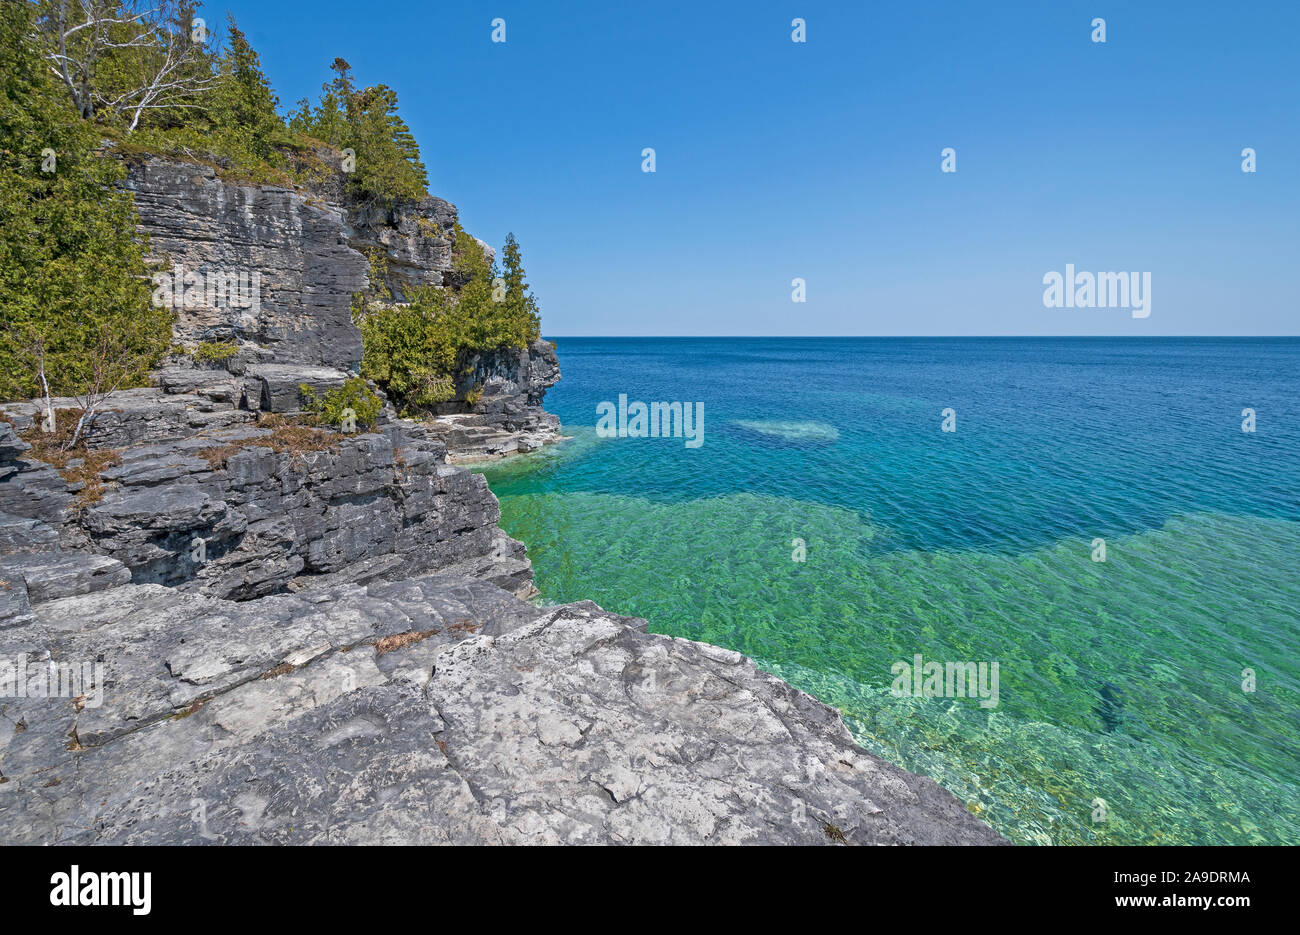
pixel 307 249
pixel 303 255
pixel 223 627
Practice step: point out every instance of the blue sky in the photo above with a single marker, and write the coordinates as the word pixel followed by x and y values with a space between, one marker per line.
pixel 821 160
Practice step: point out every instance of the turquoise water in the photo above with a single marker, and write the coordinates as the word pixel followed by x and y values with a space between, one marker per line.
pixel 1119 680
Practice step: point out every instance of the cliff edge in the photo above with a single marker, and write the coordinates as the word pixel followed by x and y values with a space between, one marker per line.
pixel 223 627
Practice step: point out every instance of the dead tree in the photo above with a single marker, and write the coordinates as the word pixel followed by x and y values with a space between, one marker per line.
pixel 155 49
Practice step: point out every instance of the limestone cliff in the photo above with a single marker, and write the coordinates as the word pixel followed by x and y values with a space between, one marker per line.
pixel 307 247
pixel 308 251
pixel 320 638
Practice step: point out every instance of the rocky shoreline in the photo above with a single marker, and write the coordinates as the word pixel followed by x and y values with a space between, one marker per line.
pixel 509 418
pixel 234 630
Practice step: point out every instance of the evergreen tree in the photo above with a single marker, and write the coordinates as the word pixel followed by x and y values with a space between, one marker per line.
pixel 388 168
pixel 521 303
pixel 74 296
pixel 417 351
pixel 242 104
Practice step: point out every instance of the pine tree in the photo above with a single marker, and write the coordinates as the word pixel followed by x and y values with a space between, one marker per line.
pixel 388 169
pixel 74 296
pixel 521 305
pixel 243 104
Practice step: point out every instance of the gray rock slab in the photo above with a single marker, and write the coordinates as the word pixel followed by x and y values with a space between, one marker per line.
pixel 48 577
pixel 430 711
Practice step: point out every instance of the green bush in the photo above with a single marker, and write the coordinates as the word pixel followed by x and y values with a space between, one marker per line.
pixel 354 394
pixel 74 297
pixel 416 350
pixel 211 352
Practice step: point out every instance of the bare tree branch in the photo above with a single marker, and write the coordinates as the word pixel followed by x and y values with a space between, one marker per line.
pixel 83 38
pixel 109 364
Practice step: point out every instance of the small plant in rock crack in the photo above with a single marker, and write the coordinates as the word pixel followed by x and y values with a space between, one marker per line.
pixel 214 352
pixel 287 436
pixel 353 401
pixel 835 834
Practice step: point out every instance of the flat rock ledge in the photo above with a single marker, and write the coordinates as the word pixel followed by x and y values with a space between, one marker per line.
pixel 469 441
pixel 435 710
pixel 380 505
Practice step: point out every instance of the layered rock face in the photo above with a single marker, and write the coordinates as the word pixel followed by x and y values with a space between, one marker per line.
pixel 293 249
pixel 416 241
pixel 274 270
pixel 305 251
pixel 229 512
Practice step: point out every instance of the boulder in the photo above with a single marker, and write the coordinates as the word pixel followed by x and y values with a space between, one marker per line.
pixel 11 446
pixel 279 385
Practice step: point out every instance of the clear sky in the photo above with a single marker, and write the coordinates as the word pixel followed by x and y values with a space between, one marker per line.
pixel 821 160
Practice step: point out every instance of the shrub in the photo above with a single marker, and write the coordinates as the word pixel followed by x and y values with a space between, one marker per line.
pixel 354 394
pixel 408 350
pixel 211 352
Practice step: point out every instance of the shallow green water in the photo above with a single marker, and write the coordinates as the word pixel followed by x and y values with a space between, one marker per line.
pixel 1119 680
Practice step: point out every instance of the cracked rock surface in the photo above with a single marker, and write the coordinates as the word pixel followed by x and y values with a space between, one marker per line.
pixel 433 710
